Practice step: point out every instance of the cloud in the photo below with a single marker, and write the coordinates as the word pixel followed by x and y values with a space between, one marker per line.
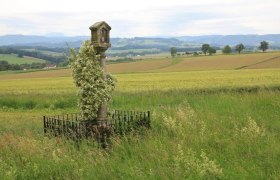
pixel 141 18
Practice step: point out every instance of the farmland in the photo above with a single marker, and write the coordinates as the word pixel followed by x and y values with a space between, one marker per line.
pixel 13 59
pixel 51 53
pixel 218 62
pixel 185 63
pixel 209 121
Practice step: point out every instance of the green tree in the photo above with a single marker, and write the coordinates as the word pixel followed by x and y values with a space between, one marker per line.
pixel 195 53
pixel 4 65
pixel 239 47
pixel 227 49
pixel 263 46
pixel 205 48
pixel 173 51
pixel 211 51
pixel 20 55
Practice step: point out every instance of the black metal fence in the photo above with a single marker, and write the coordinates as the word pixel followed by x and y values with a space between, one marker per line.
pixel 74 127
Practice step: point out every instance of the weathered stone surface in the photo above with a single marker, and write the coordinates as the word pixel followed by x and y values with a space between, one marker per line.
pixel 100 39
pixel 100 35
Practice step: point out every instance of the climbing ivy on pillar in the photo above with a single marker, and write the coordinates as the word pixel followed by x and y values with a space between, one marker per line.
pixel 88 75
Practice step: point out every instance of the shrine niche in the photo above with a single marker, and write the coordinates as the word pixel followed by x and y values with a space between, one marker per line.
pixel 100 35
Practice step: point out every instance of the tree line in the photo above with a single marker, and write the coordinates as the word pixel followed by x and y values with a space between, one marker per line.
pixel 207 49
pixel 240 47
pixel 5 66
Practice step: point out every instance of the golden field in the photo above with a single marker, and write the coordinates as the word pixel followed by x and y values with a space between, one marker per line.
pixel 150 81
pixel 236 61
pixel 202 63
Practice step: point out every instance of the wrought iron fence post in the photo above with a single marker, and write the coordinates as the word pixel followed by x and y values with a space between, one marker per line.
pixel 149 119
pixel 45 125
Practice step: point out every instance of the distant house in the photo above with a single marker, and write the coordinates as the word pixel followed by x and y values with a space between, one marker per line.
pixel 50 66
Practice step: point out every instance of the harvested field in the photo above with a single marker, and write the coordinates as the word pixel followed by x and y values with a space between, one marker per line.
pixel 220 62
pixel 205 63
pixel 270 63
pixel 138 66
pixel 37 74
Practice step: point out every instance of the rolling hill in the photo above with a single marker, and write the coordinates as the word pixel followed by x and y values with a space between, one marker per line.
pixel 179 64
pixel 142 42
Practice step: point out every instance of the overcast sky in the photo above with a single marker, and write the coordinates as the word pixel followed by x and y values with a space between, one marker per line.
pixel 130 18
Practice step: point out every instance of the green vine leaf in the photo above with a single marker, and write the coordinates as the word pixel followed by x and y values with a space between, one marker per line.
pixel 88 77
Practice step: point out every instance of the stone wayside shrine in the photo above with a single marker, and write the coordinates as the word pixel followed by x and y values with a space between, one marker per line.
pixel 100 39
pixel 75 127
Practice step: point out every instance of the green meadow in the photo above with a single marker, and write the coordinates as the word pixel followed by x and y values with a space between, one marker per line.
pixel 218 124
pixel 14 59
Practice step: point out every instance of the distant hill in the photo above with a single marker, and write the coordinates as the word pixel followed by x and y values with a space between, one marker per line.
pixel 162 44
pixel 47 41
pixel 247 40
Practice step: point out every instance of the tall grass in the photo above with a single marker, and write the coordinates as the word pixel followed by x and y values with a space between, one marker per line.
pixel 196 136
pixel 205 125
